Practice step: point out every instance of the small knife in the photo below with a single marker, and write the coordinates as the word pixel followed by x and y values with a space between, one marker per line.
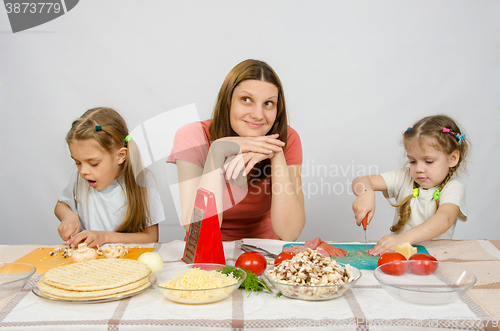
pixel 364 221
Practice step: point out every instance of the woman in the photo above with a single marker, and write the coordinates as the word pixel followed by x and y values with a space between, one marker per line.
pixel 247 156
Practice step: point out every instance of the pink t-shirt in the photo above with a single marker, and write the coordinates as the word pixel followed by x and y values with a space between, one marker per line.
pixel 249 216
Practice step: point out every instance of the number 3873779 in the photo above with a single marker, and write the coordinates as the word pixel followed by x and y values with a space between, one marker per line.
pixel 32 7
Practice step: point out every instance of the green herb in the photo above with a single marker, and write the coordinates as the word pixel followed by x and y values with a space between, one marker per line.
pixel 252 283
pixel 231 270
pixel 279 294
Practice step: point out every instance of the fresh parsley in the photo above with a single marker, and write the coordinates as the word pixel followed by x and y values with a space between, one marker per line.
pixel 252 283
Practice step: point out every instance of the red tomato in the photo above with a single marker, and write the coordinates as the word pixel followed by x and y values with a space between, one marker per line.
pixel 424 265
pixel 396 268
pixel 282 257
pixel 252 261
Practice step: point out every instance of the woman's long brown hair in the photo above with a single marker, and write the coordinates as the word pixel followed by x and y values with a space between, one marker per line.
pixel 220 126
pixel 429 132
pixel 111 137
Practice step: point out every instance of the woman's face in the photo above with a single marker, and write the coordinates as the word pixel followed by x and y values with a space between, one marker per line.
pixel 254 106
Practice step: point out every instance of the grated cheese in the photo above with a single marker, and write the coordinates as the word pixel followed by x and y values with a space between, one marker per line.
pixel 212 282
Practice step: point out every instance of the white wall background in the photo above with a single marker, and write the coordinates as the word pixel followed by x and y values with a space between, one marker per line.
pixel 356 74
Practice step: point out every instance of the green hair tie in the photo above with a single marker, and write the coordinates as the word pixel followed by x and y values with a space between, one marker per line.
pixel 127 138
pixel 98 128
pixel 415 192
pixel 436 194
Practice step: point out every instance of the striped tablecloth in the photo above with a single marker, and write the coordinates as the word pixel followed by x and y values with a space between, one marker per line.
pixel 366 307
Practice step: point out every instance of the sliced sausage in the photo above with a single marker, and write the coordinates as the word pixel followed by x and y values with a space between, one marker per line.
pixel 343 251
pixel 322 251
pixel 294 249
pixel 329 248
pixel 312 243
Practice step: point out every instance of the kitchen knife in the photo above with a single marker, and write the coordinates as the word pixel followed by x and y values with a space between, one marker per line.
pixel 364 221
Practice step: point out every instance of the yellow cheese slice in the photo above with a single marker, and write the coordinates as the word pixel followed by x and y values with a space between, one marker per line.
pixel 406 249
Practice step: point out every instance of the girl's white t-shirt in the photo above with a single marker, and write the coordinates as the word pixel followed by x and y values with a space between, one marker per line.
pixel 105 210
pixel 400 185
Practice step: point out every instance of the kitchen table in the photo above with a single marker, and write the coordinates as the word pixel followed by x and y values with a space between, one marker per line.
pixel 366 307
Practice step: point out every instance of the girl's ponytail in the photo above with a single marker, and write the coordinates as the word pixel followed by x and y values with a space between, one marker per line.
pixel 138 217
pixel 404 211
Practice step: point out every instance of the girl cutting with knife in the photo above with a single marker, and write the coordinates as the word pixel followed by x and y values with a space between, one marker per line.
pixel 111 198
pixel 247 156
pixel 429 198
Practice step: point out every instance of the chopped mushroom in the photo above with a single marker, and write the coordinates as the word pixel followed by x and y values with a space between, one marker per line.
pixel 319 276
pixel 115 251
pixel 83 253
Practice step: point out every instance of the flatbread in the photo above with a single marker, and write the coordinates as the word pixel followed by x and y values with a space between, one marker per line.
pixel 78 298
pixel 95 275
pixel 50 290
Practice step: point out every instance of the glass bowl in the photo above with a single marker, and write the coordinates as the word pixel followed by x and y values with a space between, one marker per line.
pixel 447 283
pixel 315 293
pixel 13 277
pixel 194 296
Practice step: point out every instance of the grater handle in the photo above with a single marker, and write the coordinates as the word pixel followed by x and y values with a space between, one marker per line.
pixel 200 199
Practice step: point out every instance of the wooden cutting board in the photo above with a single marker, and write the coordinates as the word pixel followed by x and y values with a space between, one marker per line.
pixel 41 259
pixel 360 261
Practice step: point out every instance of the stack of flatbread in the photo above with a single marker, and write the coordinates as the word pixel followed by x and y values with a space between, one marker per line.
pixel 95 279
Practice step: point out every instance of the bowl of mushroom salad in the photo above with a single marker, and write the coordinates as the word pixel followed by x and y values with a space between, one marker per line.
pixel 312 276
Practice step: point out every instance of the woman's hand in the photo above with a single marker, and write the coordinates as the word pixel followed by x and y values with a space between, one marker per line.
pixel 234 165
pixel 364 205
pixel 91 238
pixel 263 145
pixel 240 154
pixel 69 226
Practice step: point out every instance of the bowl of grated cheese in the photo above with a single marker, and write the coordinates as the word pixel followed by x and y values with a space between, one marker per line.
pixel 197 283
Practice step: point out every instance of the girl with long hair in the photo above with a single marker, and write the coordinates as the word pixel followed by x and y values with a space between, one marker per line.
pixel 429 197
pixel 108 199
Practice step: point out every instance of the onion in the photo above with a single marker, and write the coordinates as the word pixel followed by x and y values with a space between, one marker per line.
pixel 152 259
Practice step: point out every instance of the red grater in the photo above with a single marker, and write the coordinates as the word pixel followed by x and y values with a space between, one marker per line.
pixel 204 242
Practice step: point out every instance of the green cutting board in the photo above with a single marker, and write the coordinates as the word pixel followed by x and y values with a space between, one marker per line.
pixel 362 261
